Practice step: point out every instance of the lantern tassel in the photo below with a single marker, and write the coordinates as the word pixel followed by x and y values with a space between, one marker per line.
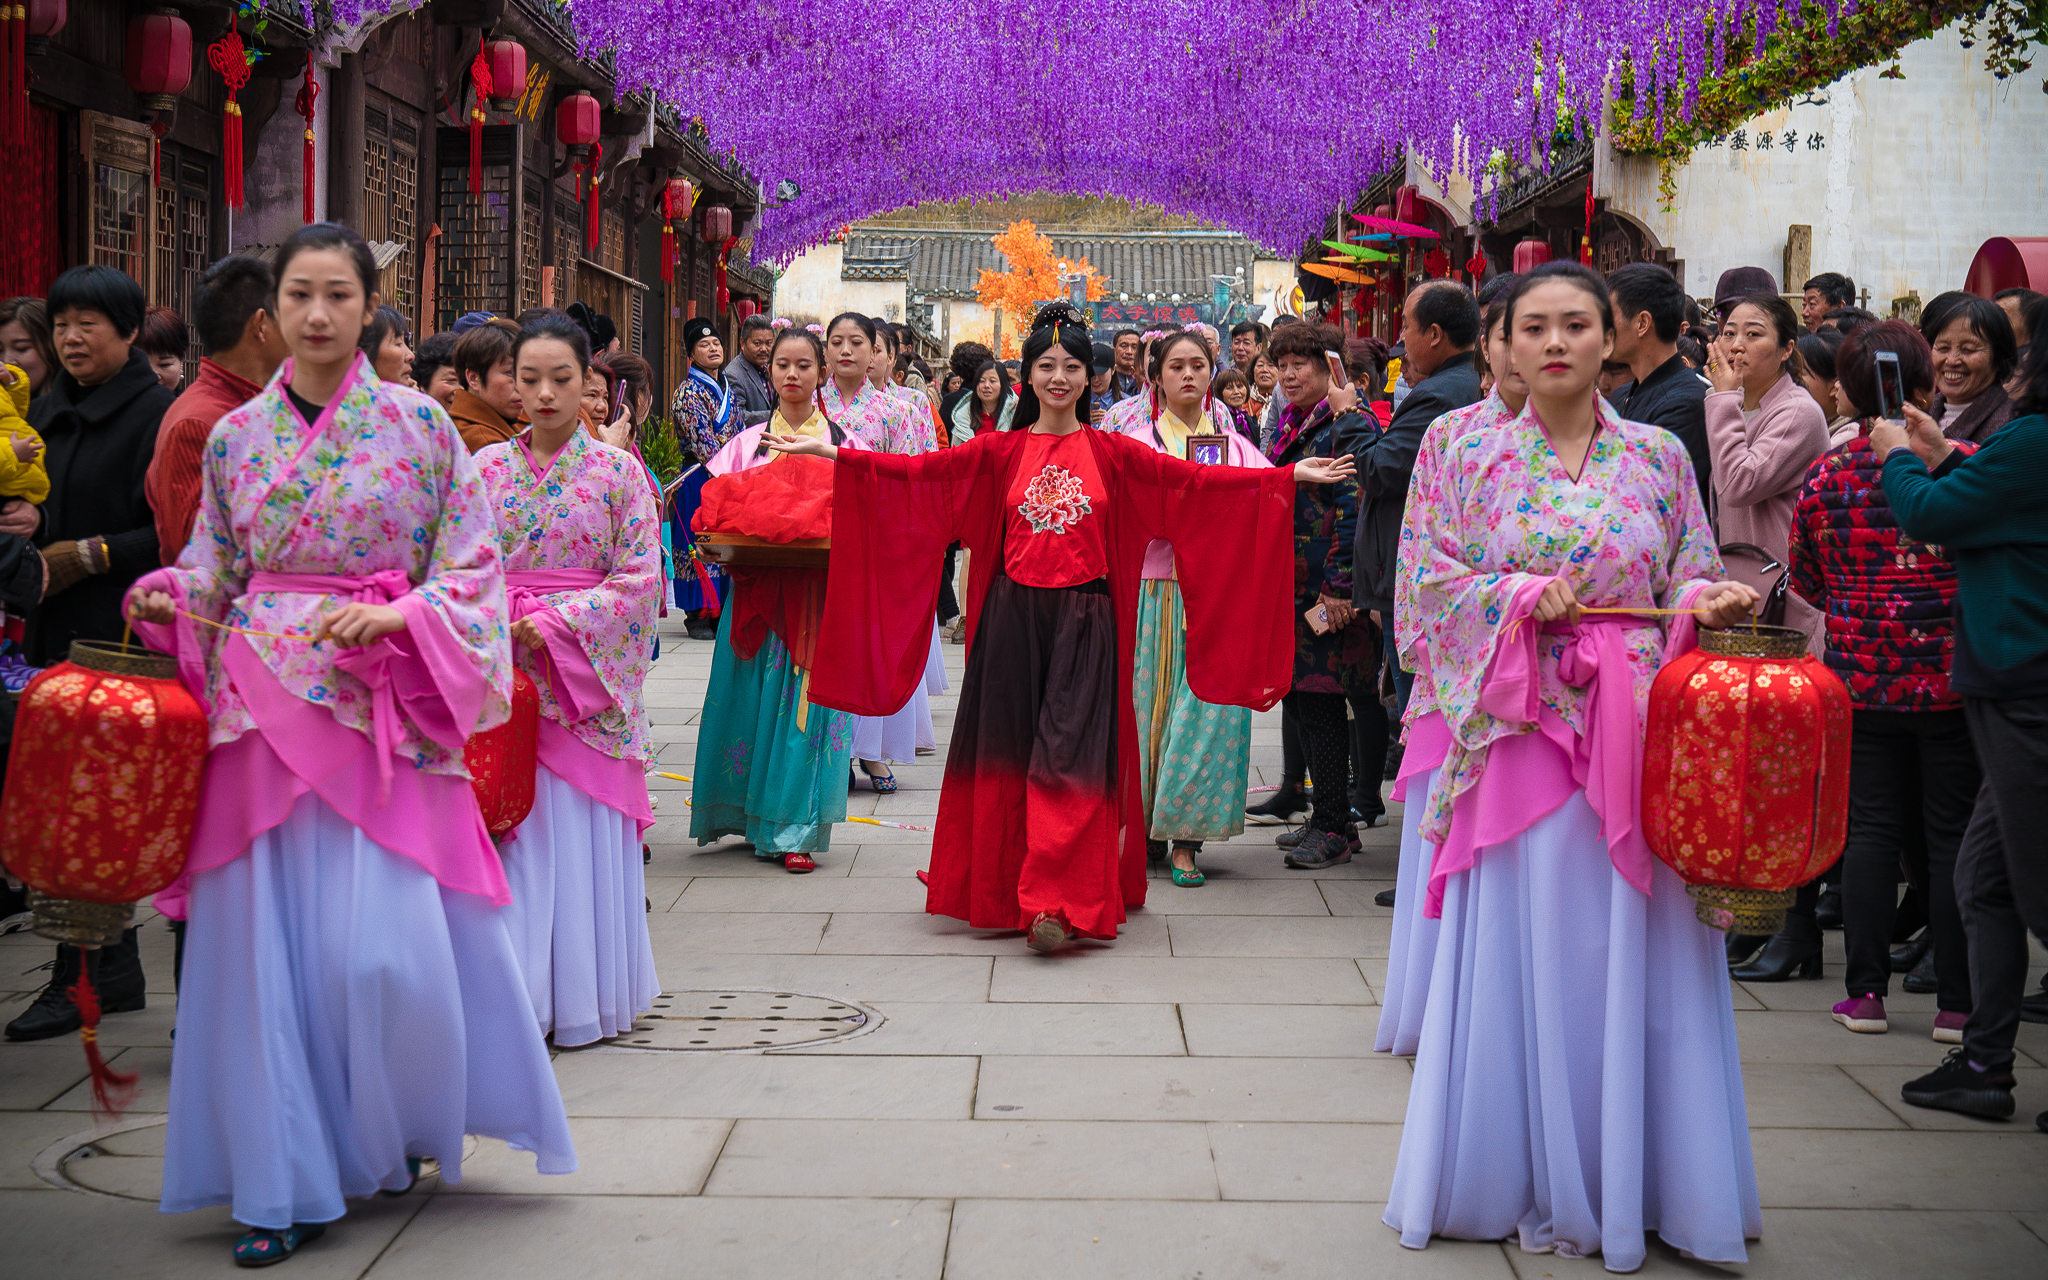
pixel 724 294
pixel 480 80
pixel 306 102
pixel 112 1090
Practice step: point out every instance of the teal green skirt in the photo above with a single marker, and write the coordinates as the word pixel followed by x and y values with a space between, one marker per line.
pixel 1193 756
pixel 757 774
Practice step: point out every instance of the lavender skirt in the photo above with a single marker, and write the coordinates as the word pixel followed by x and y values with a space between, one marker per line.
pixel 578 917
pixel 1412 949
pixel 1577 1081
pixel 342 1011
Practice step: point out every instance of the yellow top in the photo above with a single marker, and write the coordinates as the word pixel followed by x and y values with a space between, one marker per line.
pixel 18 478
pixel 814 427
pixel 1175 433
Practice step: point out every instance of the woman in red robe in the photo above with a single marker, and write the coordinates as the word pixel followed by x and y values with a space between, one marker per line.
pixel 1038 825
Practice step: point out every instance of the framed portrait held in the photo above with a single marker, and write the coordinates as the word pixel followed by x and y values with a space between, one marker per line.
pixel 1209 450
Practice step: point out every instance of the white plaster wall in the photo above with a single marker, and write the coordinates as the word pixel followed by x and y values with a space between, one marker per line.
pixel 275 177
pixel 964 320
pixel 812 290
pixel 1915 175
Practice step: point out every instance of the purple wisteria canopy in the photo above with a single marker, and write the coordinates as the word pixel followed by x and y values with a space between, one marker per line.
pixel 1261 115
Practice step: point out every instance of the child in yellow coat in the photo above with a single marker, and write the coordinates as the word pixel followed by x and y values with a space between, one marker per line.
pixel 21 454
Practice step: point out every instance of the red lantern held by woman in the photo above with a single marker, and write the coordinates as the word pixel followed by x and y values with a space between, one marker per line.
pixel 507 60
pixel 1746 773
pixel 158 65
pixel 102 793
pixel 502 761
pixel 717 224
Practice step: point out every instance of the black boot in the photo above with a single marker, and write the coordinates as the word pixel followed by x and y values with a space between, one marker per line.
pixel 1922 980
pixel 1395 749
pixel 1783 955
pixel 117 978
pixel 1907 956
pixel 1828 913
pixel 1743 947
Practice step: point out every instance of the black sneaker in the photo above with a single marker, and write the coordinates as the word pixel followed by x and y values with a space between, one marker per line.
pixel 1958 1085
pixel 1282 808
pixel 2035 1007
pixel 1319 849
pixel 1290 839
pixel 1384 898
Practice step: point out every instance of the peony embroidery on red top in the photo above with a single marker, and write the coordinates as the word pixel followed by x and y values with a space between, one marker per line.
pixel 1054 501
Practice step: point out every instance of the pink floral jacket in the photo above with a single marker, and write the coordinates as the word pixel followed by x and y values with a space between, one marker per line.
pixel 590 510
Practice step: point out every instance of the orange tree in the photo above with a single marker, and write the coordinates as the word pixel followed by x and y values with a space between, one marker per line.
pixel 1033 277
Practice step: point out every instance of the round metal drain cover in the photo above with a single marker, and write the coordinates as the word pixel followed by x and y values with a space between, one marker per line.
pixel 733 1020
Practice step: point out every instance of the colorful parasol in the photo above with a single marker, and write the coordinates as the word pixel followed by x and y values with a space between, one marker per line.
pixel 1359 251
pixel 1398 228
pixel 1334 273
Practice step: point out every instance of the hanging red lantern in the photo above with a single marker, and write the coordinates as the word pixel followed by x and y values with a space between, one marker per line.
pixel 502 761
pixel 231 61
pixel 45 19
pixel 746 309
pixel 102 794
pixel 676 199
pixel 507 62
pixel 1383 211
pixel 159 60
pixel 576 123
pixel 1407 204
pixel 717 224
pixel 1531 254
pixel 1746 773
pixel 304 103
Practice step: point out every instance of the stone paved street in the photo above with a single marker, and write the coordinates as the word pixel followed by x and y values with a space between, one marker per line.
pixel 1198 1100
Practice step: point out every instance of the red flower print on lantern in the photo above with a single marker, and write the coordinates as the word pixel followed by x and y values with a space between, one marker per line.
pixel 1054 501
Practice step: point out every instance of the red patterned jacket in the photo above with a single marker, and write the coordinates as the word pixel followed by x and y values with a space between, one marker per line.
pixel 1888 602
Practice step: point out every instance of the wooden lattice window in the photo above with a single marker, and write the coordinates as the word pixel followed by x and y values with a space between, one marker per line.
pixel 529 243
pixel 475 271
pixel 611 241
pixel 568 247
pixel 123 214
pixel 391 163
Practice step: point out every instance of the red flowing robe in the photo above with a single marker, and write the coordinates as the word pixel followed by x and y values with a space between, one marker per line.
pixel 893 516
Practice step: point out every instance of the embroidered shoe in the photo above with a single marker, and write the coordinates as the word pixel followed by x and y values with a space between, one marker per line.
pixel 1047 933
pixel 1864 1014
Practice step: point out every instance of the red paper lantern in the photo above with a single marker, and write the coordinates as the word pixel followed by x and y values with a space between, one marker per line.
pixel 576 122
pixel 1407 204
pixel 1531 254
pixel 159 59
pixel 717 228
pixel 102 793
pixel 677 198
pixel 507 61
pixel 1746 773
pixel 1383 211
pixel 746 309
pixel 502 761
pixel 45 19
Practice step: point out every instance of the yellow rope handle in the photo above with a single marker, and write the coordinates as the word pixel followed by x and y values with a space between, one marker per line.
pixel 248 631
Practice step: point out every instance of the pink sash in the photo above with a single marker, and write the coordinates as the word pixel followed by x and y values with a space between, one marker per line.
pixel 577 688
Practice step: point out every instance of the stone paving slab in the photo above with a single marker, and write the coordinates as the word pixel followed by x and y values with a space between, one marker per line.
pixel 1149 1030
pixel 984 1158
pixel 915 933
pixel 623 1083
pixel 1187 1088
pixel 615 1156
pixel 1179 979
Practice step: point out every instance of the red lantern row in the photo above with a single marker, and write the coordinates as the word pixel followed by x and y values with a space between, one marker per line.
pixel 158 63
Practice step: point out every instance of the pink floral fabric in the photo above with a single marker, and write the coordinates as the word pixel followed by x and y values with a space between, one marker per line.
pixel 382 482
pixel 589 510
pixel 880 421
pixel 1437 440
pixel 1491 513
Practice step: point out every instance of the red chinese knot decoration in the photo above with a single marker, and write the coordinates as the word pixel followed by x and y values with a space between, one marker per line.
pixel 102 793
pixel 502 761
pixel 480 81
pixel 1746 773
pixel 308 98
pixel 231 61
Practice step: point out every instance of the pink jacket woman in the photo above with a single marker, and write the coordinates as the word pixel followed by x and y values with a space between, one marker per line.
pixel 1760 461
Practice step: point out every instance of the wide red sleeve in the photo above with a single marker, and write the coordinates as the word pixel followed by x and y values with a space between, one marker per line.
pixel 893 516
pixel 1232 530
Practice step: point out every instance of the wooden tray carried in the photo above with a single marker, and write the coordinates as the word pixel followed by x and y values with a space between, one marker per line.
pixel 744 551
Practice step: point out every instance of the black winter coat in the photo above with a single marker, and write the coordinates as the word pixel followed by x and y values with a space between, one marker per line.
pixel 100 440
pixel 1385 469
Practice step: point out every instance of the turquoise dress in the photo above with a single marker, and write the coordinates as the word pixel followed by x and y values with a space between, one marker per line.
pixel 1193 756
pixel 758 775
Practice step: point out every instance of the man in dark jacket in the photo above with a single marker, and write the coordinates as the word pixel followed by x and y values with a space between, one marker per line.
pixel 1439 327
pixel 746 374
pixel 99 420
pixel 1649 314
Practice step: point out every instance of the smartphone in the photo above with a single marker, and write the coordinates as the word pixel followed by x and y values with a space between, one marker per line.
pixel 1891 387
pixel 1337 378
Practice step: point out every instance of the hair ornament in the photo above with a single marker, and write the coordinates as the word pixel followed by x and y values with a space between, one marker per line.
pixel 816 328
pixel 780 323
